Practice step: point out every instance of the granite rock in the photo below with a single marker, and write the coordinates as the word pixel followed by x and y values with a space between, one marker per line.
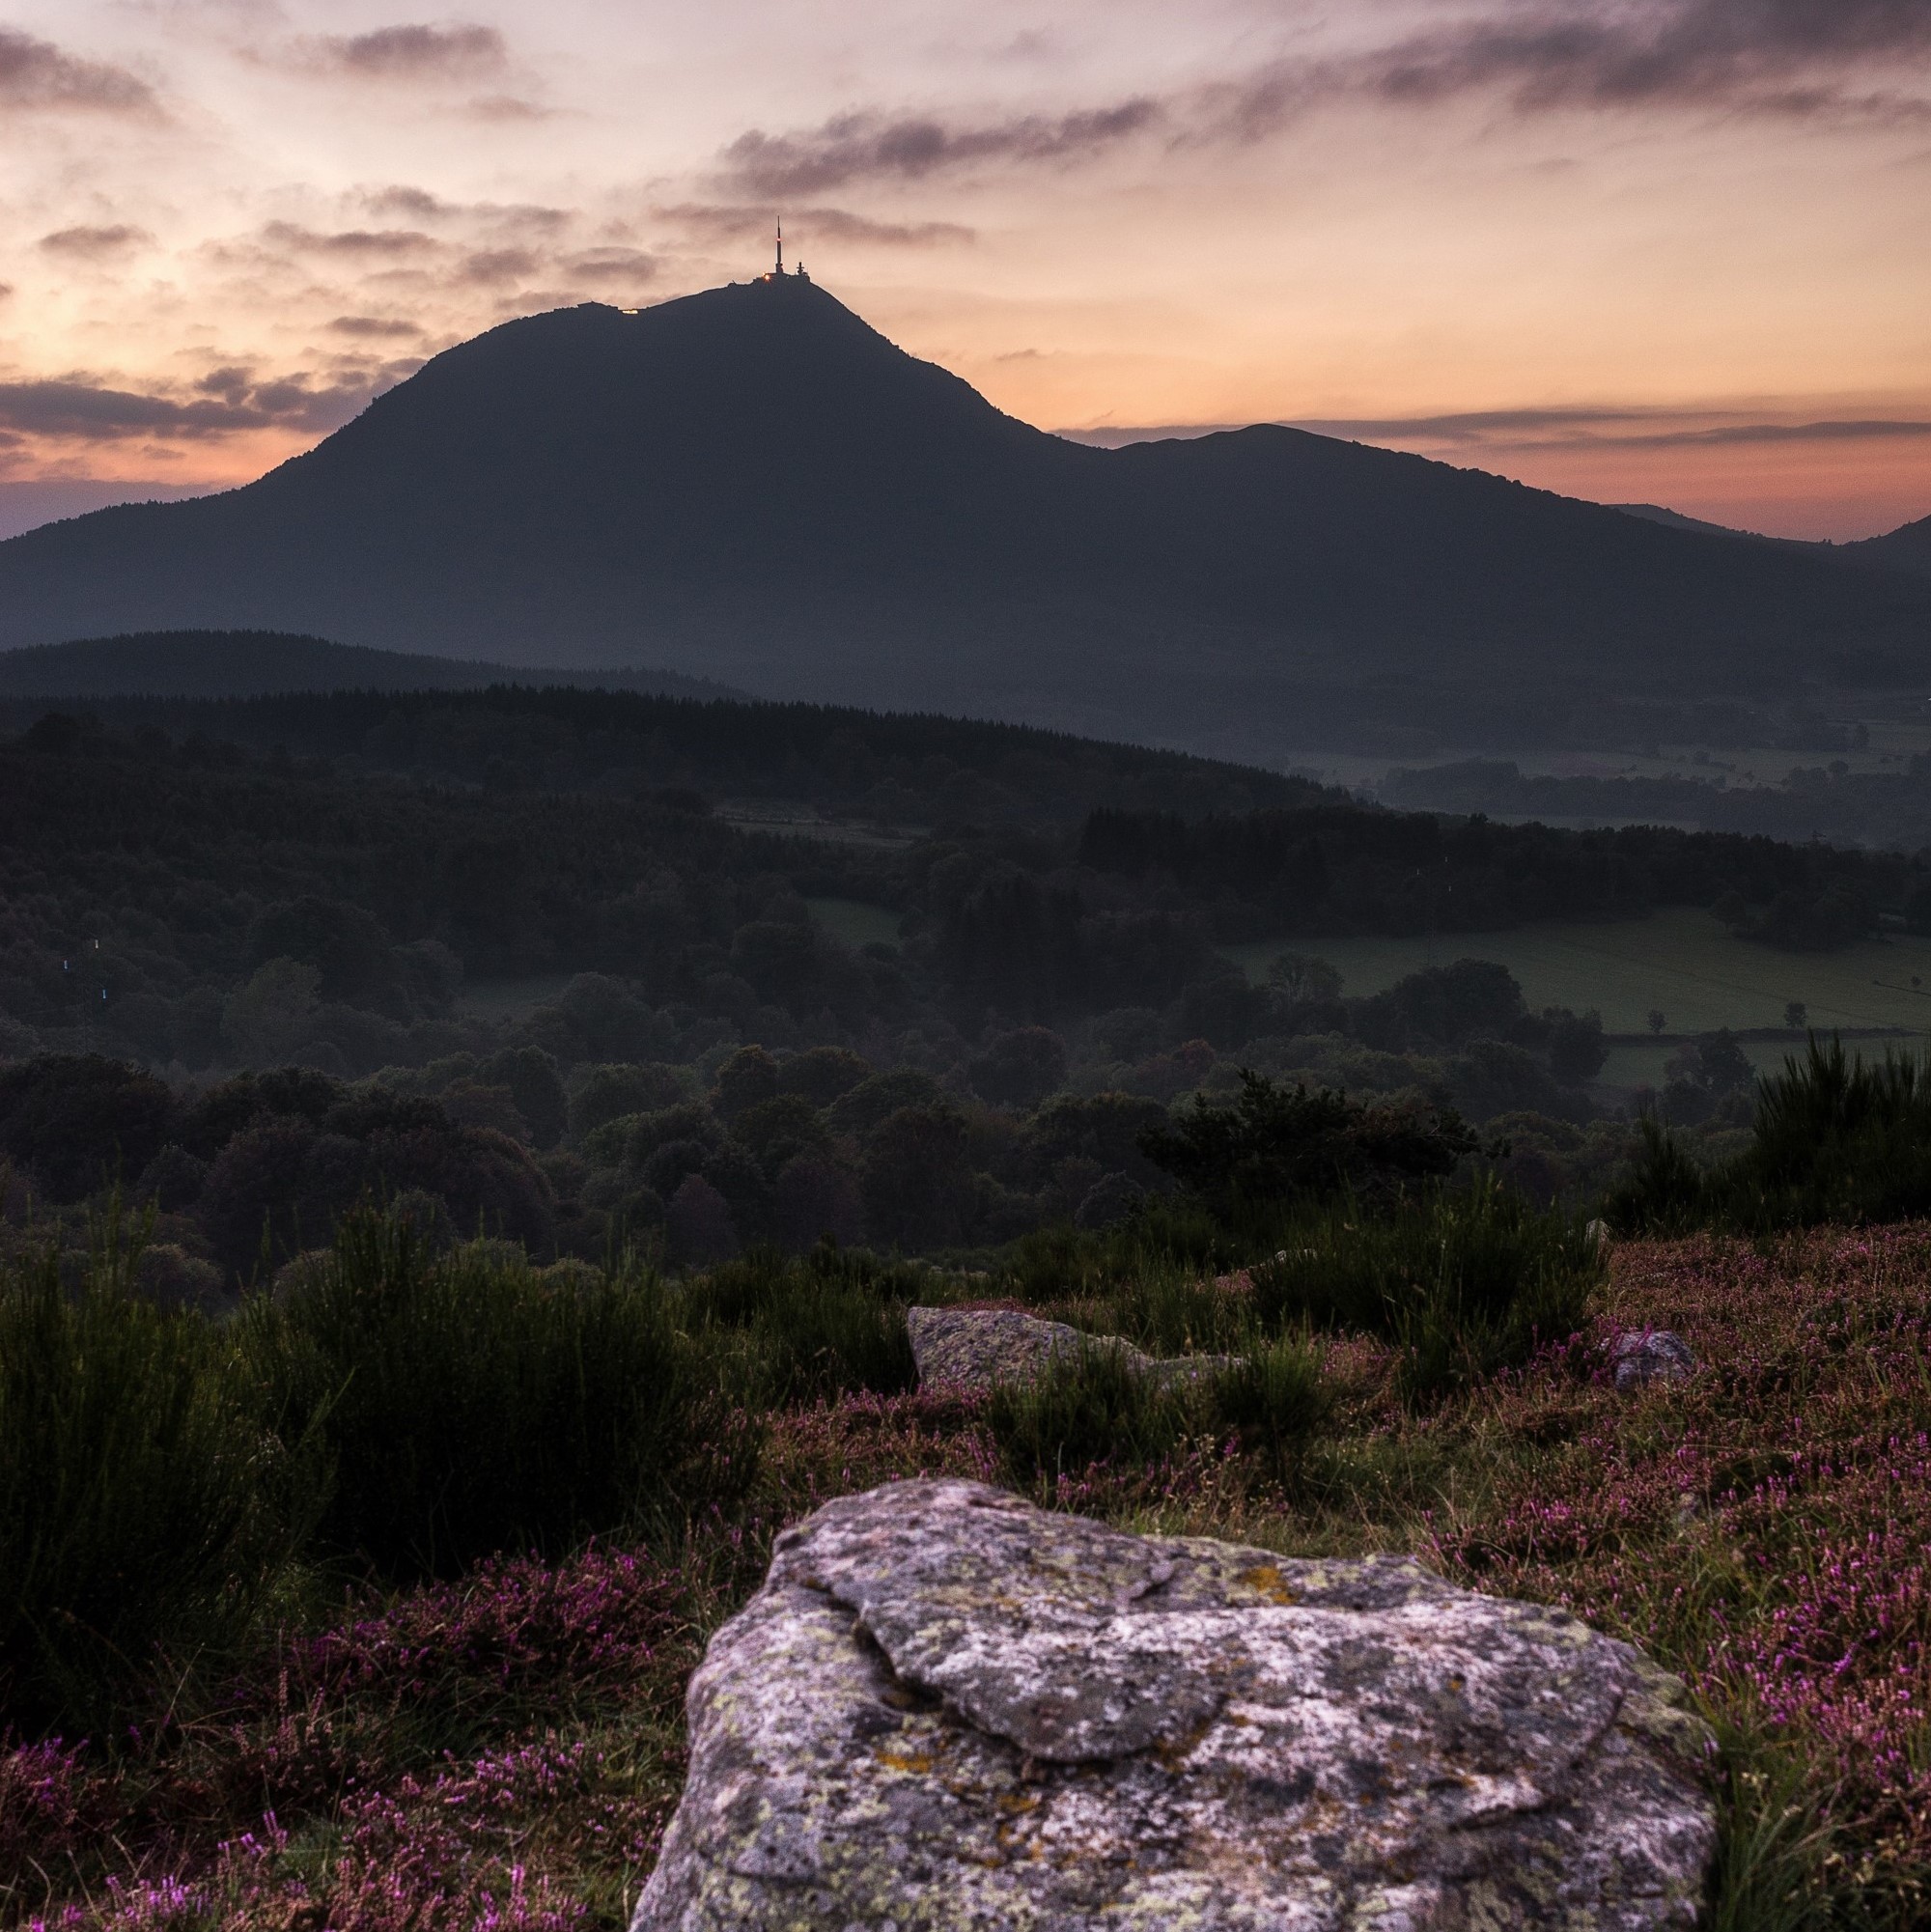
pixel 980 1348
pixel 947 1711
pixel 1653 1355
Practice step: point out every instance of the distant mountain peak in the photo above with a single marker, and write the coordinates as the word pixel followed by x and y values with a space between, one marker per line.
pixel 752 484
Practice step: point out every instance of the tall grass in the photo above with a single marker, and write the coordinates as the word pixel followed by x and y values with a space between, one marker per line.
pixel 1836 1137
pixel 814 1326
pixel 1097 1406
pixel 150 1496
pixel 470 1406
pixel 1462 1283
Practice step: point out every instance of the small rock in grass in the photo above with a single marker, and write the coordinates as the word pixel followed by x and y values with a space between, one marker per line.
pixel 948 1710
pixel 1653 1356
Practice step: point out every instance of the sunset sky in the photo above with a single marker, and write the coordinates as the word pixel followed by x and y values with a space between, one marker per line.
pixel 1676 251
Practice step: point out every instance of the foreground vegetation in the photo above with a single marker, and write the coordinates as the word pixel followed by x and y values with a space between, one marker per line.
pixel 464 1523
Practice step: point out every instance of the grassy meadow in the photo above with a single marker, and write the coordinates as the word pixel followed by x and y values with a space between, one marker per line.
pixel 467 1525
pixel 1680 963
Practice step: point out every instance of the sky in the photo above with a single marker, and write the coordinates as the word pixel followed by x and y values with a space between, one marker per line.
pixel 1667 251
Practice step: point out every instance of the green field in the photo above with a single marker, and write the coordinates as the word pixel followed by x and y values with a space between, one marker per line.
pixel 855 923
pixel 1682 963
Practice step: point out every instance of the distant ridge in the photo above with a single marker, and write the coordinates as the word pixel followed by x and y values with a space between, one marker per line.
pixel 1674 520
pixel 271 663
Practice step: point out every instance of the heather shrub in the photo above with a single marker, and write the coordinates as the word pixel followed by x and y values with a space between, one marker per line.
pixel 471 1404
pixel 147 1499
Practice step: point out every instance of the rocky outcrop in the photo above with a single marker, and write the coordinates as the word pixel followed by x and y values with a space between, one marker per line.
pixel 1653 1355
pixel 949 1711
pixel 979 1348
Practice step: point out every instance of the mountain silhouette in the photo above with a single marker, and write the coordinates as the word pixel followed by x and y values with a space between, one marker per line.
pixel 753 485
pixel 1904 550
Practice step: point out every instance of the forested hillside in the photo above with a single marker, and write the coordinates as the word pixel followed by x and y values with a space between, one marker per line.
pixel 926 987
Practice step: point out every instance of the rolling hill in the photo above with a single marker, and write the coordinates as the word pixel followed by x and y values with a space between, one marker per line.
pixel 266 663
pixel 753 485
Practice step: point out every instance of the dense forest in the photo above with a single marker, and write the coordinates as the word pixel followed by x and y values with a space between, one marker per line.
pixel 532 957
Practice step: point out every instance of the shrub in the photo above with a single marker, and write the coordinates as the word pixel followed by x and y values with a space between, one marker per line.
pixel 1463 1284
pixel 1275 1144
pixel 146 1505
pixel 470 1406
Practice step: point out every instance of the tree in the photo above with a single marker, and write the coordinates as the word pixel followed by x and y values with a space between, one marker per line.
pixel 273 1015
pixel 697 1224
pixel 1576 1050
pixel 1444 1006
pixel 1657 1021
pixel 1275 1143
pixel 918 1191
pixel 1304 976
pixel 1021 1068
pixel 610 1092
pixel 822 1074
pixel 79 1121
pixel 749 1075
pixel 1796 1016
pixel 816 1197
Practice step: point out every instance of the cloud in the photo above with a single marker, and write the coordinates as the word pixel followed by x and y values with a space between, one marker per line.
pixel 454 52
pixel 1610 428
pixel 1792 57
pixel 629 265
pixel 732 222
pixel 1470 433
pixel 35 73
pixel 509 107
pixel 373 328
pixel 419 204
pixel 383 242
pixel 83 408
pixel 95 244
pixel 867 146
pixel 496 265
pixel 1842 59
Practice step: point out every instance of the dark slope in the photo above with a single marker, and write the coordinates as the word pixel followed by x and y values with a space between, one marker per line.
pixel 265 663
pixel 753 485
pixel 1904 550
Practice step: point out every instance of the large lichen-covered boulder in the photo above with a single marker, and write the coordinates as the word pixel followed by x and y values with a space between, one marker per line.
pixel 948 1710
pixel 980 1348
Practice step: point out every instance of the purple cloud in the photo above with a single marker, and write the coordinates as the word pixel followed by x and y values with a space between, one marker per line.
pixel 81 409
pixel 732 222
pixel 95 244
pixel 866 146
pixel 35 73
pixel 456 52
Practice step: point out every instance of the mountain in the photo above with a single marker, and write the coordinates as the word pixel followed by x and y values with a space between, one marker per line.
pixel 266 663
pixel 1674 520
pixel 753 485
pixel 1905 549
